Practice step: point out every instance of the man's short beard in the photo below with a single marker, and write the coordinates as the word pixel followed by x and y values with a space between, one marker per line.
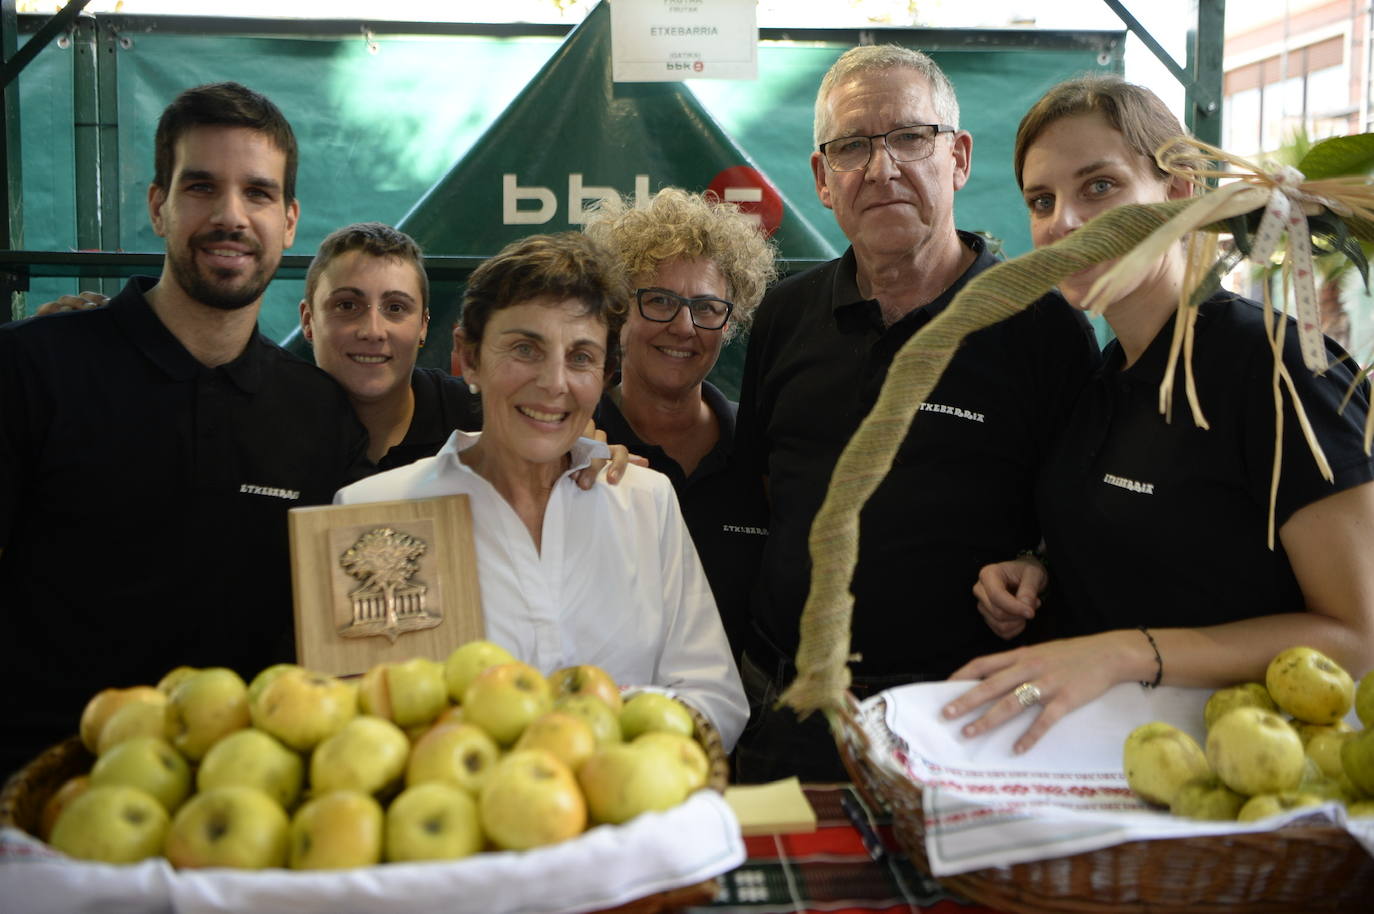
pixel 210 293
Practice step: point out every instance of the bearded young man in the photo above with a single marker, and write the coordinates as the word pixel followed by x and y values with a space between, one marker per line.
pixel 149 450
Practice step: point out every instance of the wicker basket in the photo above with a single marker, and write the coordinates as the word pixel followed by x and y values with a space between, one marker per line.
pixel 1297 868
pixel 27 790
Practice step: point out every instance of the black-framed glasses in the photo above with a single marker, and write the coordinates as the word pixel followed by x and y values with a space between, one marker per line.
pixel 905 144
pixel 662 306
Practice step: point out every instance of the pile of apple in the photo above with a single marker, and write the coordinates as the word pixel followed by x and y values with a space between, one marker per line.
pixel 420 760
pixel 1271 747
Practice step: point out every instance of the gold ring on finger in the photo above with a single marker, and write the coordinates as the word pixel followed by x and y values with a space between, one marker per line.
pixel 1028 694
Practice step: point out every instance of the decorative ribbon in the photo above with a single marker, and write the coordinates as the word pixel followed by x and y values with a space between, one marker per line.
pixel 1287 202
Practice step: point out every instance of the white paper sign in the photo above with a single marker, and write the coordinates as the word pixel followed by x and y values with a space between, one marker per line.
pixel 670 40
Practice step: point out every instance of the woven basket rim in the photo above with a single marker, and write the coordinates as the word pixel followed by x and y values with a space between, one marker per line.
pixel 1327 865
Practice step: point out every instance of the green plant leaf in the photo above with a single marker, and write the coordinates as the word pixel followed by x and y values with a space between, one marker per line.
pixel 1338 156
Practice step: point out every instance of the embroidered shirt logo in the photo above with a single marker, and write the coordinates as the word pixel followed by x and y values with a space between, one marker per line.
pixel 1130 485
pixel 736 528
pixel 269 491
pixel 951 411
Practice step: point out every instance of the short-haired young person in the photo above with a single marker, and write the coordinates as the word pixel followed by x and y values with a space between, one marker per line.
pixel 366 313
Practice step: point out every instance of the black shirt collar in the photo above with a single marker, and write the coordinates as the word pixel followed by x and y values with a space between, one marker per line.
pixel 1154 361
pixel 136 317
pixel 845 290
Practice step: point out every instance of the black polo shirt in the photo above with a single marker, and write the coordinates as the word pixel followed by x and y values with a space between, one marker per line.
pixel 143 502
pixel 728 519
pixel 442 404
pixel 960 494
pixel 1152 522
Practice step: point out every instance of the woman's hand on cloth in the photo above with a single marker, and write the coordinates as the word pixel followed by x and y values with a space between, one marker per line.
pixel 620 458
pixel 1051 679
pixel 1008 594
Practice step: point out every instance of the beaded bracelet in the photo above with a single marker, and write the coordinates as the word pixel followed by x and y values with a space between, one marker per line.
pixel 1159 661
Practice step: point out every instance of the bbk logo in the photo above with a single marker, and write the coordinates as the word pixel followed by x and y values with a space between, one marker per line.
pixel 535 205
pixel 515 200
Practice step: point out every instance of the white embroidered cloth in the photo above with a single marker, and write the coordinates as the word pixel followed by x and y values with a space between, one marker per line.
pixel 985 806
pixel 606 867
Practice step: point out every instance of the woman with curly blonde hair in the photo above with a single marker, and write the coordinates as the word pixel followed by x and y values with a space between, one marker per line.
pixel 698 268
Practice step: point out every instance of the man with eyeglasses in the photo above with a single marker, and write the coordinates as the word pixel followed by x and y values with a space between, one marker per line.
pixel 889 158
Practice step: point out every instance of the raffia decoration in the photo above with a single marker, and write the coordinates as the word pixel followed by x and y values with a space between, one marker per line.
pixel 1139 235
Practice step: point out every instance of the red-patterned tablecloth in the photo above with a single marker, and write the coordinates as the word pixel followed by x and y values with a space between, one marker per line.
pixel 830 870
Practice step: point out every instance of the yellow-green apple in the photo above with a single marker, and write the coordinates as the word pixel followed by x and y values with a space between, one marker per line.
pixel 232 826
pixel 1245 695
pixel 1364 700
pixel 1255 751
pixel 173 677
pixel 205 707
pixel 1310 685
pixel 432 821
pixel 301 707
pixel 1307 732
pixel 1317 782
pixel 682 750
pixel 1357 759
pixel 622 781
pixel 530 800
pixel 458 754
pixel 568 737
pixel 467 660
pixel 148 763
pixel 367 755
pixel 113 824
pixel 252 758
pixel 604 722
pixel 337 830
pixel 1361 809
pixel 1325 750
pixel 1206 798
pixel 1264 805
pixel 1159 758
pixel 505 698
pixel 62 797
pixel 648 711
pixel 410 693
pixel 586 679
pixel 265 677
pixel 141 717
pixel 103 704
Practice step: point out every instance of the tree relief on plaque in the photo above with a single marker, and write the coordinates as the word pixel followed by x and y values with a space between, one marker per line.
pixel 389 600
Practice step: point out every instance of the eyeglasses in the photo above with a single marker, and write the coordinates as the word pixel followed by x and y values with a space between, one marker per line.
pixel 662 306
pixel 905 144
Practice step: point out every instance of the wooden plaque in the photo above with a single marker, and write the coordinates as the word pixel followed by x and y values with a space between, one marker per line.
pixel 383 581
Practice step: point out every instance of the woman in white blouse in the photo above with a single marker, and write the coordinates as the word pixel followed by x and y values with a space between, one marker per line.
pixel 607 576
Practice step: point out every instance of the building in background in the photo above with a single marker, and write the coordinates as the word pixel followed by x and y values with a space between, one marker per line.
pixel 1305 68
pixel 1301 67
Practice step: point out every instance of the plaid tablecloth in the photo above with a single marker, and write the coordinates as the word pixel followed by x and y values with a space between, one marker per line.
pixel 831 870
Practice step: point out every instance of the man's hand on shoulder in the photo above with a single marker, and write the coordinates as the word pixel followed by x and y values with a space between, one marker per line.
pixel 82 302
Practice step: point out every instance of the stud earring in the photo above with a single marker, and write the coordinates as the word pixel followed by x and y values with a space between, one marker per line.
pixel 472 387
